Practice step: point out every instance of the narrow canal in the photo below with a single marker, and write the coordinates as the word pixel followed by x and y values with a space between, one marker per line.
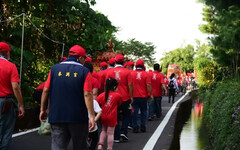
pixel 194 135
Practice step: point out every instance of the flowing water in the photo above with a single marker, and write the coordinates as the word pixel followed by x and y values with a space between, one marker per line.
pixel 194 135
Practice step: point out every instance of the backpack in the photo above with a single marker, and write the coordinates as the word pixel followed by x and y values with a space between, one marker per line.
pixel 170 85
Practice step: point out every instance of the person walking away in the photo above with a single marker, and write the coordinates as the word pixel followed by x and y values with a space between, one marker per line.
pixel 184 85
pixel 109 101
pixel 9 80
pixel 69 86
pixel 141 84
pixel 125 89
pixel 102 75
pixel 158 84
pixel 172 86
pixel 95 82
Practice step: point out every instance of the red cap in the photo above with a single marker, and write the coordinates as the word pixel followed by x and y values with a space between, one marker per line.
pixel 119 57
pixel 111 61
pixel 150 70
pixel 88 59
pixel 77 51
pixel 103 64
pixel 4 47
pixel 140 62
pixel 63 58
pixel 130 63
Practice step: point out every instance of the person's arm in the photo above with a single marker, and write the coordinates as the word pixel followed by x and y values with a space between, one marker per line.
pixel 88 97
pixel 149 87
pixel 98 116
pixel 18 94
pixel 164 87
pixel 43 112
pixel 95 93
pixel 130 87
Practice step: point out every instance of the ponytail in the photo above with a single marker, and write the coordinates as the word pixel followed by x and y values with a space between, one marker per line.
pixel 110 84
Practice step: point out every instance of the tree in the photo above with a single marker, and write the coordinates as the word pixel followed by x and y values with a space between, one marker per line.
pixel 180 56
pixel 135 50
pixel 223 21
pixel 67 21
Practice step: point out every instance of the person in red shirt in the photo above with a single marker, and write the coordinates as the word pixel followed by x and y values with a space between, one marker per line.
pixel 111 63
pixel 38 92
pixel 102 76
pixel 130 65
pixel 9 80
pixel 109 101
pixel 141 84
pixel 95 82
pixel 125 89
pixel 158 84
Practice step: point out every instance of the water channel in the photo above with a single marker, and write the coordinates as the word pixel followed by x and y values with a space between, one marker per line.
pixel 194 135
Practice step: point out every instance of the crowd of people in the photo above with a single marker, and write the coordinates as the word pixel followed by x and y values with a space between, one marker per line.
pixel 75 98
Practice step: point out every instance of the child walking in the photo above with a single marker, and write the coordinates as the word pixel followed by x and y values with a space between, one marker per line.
pixel 109 101
pixel 93 135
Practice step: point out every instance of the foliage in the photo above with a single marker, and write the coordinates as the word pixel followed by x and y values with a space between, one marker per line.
pixel 180 56
pixel 135 50
pixel 69 21
pixel 223 21
pixel 222 114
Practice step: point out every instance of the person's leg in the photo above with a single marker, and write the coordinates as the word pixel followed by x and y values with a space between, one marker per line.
pixel 151 108
pixel 135 115
pixel 7 123
pixel 60 136
pixel 173 95
pixel 126 108
pixel 143 109
pixel 110 132
pixel 79 135
pixel 94 140
pixel 117 128
pixel 158 106
pixel 169 96
pixel 102 137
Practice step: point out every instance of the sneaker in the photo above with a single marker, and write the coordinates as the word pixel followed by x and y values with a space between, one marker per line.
pixel 116 141
pixel 124 137
pixel 130 128
pixel 135 130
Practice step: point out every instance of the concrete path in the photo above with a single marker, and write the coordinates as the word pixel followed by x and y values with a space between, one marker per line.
pixel 137 141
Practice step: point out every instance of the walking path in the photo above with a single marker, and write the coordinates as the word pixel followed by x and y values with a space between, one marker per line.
pixel 162 128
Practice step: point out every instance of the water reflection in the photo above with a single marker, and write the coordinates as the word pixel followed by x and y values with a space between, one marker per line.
pixel 194 135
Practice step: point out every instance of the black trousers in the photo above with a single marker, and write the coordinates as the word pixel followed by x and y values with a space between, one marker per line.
pixel 171 95
pixel 93 140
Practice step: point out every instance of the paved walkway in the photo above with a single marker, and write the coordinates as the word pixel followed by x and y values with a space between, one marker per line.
pixel 137 141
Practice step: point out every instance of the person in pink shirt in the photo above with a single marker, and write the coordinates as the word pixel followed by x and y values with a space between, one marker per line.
pixel 141 84
pixel 125 89
pixel 158 84
pixel 109 101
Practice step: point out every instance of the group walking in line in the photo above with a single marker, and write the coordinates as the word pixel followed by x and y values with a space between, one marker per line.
pixel 75 98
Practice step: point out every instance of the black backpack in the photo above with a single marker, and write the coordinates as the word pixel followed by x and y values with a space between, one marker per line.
pixel 170 85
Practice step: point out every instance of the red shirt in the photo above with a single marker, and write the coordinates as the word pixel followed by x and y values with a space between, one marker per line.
pixel 8 74
pixel 41 86
pixel 140 80
pixel 87 84
pixel 124 78
pixel 94 74
pixel 95 83
pixel 166 81
pixel 157 81
pixel 109 108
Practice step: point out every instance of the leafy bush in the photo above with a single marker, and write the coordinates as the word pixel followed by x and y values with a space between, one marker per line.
pixel 222 114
